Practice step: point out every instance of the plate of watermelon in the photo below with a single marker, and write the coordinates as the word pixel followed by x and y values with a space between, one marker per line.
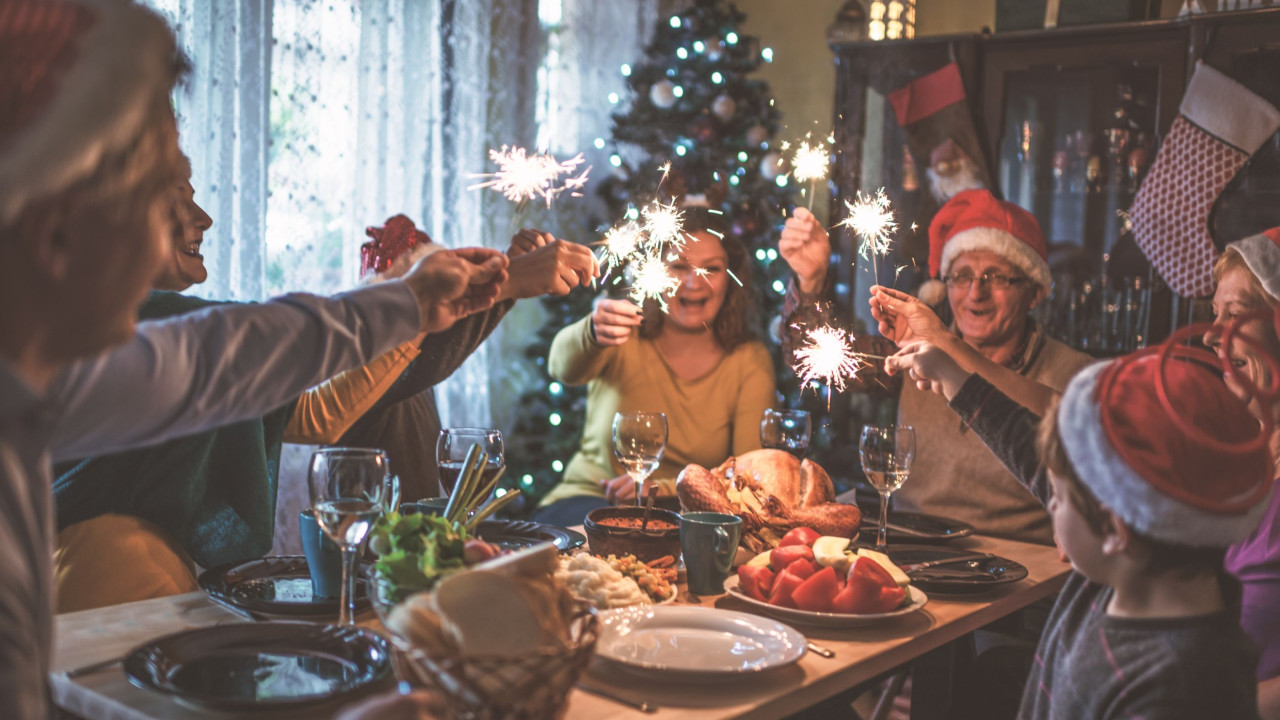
pixel 819 580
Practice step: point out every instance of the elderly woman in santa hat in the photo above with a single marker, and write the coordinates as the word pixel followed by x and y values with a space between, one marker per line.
pixel 991 258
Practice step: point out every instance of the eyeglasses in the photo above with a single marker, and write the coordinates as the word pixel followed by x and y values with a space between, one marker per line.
pixel 996 281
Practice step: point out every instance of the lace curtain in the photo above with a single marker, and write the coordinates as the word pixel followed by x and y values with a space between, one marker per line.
pixel 307 121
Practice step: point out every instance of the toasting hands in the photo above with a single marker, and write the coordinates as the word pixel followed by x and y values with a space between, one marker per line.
pixel 543 265
pixel 451 284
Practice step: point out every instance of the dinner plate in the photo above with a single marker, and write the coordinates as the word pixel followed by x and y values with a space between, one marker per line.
pixel 912 527
pixel 276 585
pixel 966 576
pixel 914 600
pixel 516 534
pixel 260 666
pixel 695 642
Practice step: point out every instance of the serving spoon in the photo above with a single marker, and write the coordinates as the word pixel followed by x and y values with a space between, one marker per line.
pixel 648 507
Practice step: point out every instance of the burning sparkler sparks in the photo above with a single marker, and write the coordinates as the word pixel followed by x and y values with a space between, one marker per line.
pixel 521 177
pixel 663 226
pixel 827 356
pixel 871 218
pixel 652 280
pixel 620 243
pixel 810 164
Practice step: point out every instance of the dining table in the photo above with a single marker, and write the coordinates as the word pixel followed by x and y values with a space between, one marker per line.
pixel 860 653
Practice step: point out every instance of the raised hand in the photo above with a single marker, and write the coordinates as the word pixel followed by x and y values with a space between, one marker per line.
pixel 619 490
pixel 451 284
pixel 547 266
pixel 807 249
pixel 930 367
pixel 903 318
pixel 614 320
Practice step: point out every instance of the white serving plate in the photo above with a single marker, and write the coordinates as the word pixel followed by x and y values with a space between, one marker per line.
pixel 695 641
pixel 914 601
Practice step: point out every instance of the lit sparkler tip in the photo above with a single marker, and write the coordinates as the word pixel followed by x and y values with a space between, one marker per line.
pixel 871 218
pixel 785 145
pixel 663 225
pixel 810 162
pixel 620 242
pixel 520 177
pixel 828 356
pixel 653 280
pixel 735 277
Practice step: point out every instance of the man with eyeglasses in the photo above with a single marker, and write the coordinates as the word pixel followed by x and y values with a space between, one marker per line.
pixel 991 258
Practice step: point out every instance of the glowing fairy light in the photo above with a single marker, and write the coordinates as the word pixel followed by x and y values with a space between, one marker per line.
pixel 520 177
pixel 827 355
pixel 663 225
pixel 651 279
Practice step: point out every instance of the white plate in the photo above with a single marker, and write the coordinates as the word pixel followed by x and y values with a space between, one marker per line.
pixel 695 641
pixel 915 600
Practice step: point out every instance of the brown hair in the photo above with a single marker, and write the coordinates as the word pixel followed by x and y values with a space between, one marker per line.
pixel 1158 557
pixel 1230 260
pixel 734 322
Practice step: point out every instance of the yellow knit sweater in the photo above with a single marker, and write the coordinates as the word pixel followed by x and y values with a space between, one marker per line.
pixel 708 418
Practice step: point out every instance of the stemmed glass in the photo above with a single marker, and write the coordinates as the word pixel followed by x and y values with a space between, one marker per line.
pixel 346 487
pixel 786 430
pixel 886 454
pixel 451 454
pixel 639 440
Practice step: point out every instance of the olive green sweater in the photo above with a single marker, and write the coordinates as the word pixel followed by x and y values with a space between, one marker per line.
pixel 708 418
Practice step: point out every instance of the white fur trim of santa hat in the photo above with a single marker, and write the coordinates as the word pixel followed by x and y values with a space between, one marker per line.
pixel 1261 253
pixel 1004 244
pixel 1122 490
pixel 124 62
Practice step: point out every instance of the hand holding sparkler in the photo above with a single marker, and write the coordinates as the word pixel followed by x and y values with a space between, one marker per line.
pixel 552 267
pixel 930 367
pixel 613 321
pixel 903 318
pixel 806 247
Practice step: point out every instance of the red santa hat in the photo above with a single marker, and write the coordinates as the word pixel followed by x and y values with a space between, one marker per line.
pixel 77 81
pixel 1162 442
pixel 394 248
pixel 976 220
pixel 1261 253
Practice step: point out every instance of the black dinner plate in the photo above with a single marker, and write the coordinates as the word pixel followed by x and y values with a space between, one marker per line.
pixel 277 585
pixel 957 578
pixel 261 666
pixel 908 527
pixel 516 534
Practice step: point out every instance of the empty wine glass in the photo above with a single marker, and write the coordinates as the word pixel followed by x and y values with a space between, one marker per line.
pixel 786 430
pixel 346 486
pixel 886 454
pixel 639 440
pixel 451 454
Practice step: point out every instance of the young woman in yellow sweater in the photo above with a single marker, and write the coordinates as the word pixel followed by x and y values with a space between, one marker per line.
pixel 699 362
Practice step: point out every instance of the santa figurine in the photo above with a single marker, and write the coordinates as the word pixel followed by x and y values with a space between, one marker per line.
pixel 951 171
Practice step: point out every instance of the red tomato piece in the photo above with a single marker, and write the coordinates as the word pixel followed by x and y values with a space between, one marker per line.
pixel 800 536
pixel 804 568
pixel 881 575
pixel 783 586
pixel 891 598
pixel 756 582
pixel 855 598
pixel 782 557
pixel 817 593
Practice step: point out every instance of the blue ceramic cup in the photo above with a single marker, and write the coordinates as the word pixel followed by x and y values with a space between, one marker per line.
pixel 709 542
pixel 324 558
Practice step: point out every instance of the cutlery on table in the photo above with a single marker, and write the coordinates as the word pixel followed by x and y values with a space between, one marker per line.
pixel 912 567
pixel 642 706
pixel 92 667
pixel 245 613
pixel 819 650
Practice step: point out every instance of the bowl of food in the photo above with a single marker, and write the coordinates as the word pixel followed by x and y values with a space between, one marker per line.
pixel 621 531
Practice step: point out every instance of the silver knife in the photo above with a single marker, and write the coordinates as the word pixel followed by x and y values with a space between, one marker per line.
pixel 641 705
pixel 245 613
pixel 912 567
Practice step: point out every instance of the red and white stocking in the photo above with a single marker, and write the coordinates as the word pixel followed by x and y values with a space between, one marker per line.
pixel 1220 124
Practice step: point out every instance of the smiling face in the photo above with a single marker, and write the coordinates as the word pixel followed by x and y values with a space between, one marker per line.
pixel 1237 295
pixel 989 318
pixel 184 265
pixel 701 269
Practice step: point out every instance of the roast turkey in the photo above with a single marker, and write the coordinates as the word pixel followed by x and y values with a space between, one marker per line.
pixel 772 492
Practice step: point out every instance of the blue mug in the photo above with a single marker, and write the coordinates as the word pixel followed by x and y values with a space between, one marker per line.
pixel 324 557
pixel 709 542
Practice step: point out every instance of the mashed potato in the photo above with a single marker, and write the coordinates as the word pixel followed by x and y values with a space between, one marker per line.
pixel 591 579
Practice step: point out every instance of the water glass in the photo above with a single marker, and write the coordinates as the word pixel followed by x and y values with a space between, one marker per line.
pixel 786 430
pixel 346 486
pixel 886 454
pixel 451 454
pixel 639 441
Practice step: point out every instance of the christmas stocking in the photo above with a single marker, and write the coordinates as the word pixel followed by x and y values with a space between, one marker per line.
pixel 935 115
pixel 1219 125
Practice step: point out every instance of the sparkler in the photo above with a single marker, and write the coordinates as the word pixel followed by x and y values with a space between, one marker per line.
pixel 653 280
pixel 871 219
pixel 619 244
pixel 521 177
pixel 663 226
pixel 810 164
pixel 828 356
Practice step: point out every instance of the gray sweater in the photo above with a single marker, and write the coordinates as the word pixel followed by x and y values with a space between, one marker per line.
pixel 1093 665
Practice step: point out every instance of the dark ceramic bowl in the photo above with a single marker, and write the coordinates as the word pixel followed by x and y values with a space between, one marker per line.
pixel 616 531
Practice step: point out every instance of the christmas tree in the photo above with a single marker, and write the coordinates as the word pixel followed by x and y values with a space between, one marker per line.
pixel 694 105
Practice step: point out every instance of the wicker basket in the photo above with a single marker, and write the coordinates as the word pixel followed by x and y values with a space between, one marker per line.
pixel 529 687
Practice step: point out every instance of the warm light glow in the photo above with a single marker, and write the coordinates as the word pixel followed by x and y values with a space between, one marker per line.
pixel 619 243
pixel 827 355
pixel 891 19
pixel 663 225
pixel 810 162
pixel 652 280
pixel 871 219
pixel 521 177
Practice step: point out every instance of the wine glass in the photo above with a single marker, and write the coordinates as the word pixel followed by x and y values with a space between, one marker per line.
pixel 786 430
pixel 346 486
pixel 639 440
pixel 451 454
pixel 886 458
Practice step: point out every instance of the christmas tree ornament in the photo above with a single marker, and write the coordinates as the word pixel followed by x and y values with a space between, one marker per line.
pixel 715 50
pixel 724 107
pixel 1220 124
pixel 703 129
pixel 757 135
pixel 663 94
pixel 772 165
pixel 934 112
